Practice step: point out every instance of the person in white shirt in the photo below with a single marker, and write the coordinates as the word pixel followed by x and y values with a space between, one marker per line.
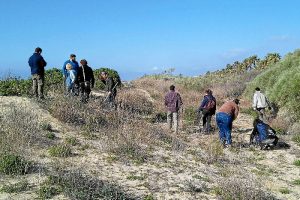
pixel 260 103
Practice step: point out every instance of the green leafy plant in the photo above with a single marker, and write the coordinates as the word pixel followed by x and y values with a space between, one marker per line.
pixel 297 163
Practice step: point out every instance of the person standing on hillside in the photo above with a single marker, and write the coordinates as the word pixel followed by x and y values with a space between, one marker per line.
pixel 111 88
pixel 227 113
pixel 260 103
pixel 72 61
pixel 173 104
pixel 71 77
pixel 37 65
pixel 208 109
pixel 86 80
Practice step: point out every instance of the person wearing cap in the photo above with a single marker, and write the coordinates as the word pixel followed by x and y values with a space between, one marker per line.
pixel 227 113
pixel 37 65
pixel 75 67
pixel 111 88
pixel 86 80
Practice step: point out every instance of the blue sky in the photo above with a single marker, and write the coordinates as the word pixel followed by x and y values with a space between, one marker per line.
pixel 139 37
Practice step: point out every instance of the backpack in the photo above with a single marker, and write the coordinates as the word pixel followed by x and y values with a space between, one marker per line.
pixel 211 104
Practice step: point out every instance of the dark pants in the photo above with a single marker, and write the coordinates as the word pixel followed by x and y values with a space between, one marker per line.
pixel 85 90
pixel 38 85
pixel 206 119
pixel 224 122
pixel 111 100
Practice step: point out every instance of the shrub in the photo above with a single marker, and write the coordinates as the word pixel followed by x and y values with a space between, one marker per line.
pixel 72 141
pixel 46 126
pixel 11 164
pixel 296 138
pixel 297 163
pixel 296 182
pixel 76 185
pixel 47 191
pixel 61 150
pixel 242 188
pixel 15 188
pixel 50 135
pixel 284 190
pixel 190 114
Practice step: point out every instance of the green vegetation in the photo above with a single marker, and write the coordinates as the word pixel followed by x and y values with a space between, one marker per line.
pixel 281 83
pixel 296 182
pixel 50 135
pixel 297 163
pixel 15 188
pixel 76 185
pixel 284 191
pixel 11 164
pixel 61 150
pixel 46 126
pixel 133 177
pixel 296 138
pixel 72 141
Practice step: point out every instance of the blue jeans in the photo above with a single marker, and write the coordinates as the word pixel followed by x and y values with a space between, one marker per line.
pixel 224 122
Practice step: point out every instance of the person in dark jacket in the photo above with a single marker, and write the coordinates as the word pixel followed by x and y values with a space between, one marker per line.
pixel 37 65
pixel 173 104
pixel 263 135
pixel 86 80
pixel 207 109
pixel 110 87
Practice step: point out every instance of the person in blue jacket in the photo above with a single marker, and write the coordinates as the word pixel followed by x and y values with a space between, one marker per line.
pixel 263 135
pixel 207 109
pixel 75 67
pixel 37 65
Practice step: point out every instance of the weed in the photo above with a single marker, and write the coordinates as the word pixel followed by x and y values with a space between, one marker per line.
pixel 47 191
pixel 135 177
pixel 296 182
pixel 50 135
pixel 61 150
pixel 296 138
pixel 11 164
pixel 297 163
pixel 46 126
pixel 72 141
pixel 15 188
pixel 284 191
pixel 149 197
pixel 76 185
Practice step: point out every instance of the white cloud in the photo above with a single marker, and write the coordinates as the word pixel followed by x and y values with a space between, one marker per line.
pixel 233 53
pixel 155 68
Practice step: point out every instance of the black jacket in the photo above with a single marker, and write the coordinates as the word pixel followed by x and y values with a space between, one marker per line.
pixel 88 74
pixel 111 85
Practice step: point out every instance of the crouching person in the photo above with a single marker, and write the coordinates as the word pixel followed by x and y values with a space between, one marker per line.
pixel 263 135
pixel 86 80
pixel 226 115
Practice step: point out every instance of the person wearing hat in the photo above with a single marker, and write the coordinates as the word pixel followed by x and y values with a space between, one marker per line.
pixel 37 65
pixel 227 113
pixel 86 80
pixel 72 61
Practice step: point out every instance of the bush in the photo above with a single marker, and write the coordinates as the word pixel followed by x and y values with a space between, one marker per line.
pixel 11 164
pixel 15 188
pixel 50 135
pixel 61 150
pixel 76 185
pixel 48 191
pixel 72 141
pixel 297 163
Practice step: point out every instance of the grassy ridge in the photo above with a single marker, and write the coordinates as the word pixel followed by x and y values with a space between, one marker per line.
pixel 281 83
